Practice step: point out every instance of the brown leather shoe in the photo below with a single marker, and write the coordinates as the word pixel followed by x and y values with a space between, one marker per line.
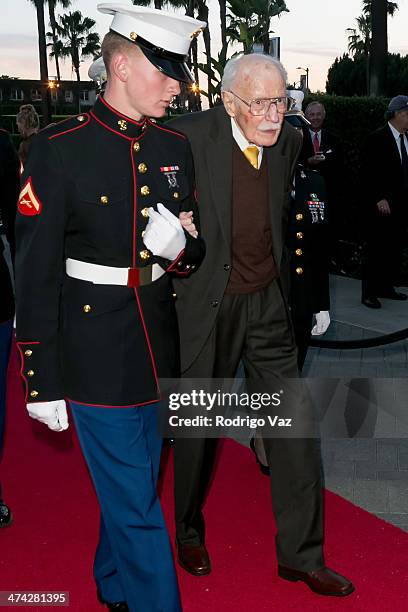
pixel 323 581
pixel 194 559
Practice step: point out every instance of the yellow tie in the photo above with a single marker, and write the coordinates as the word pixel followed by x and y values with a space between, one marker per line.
pixel 251 153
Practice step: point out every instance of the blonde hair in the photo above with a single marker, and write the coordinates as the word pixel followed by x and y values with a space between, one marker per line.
pixel 115 43
pixel 28 121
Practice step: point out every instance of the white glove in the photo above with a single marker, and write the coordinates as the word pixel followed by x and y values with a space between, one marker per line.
pixel 322 323
pixel 53 414
pixel 164 235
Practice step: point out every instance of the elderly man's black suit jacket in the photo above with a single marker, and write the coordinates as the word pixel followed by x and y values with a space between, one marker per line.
pixel 211 139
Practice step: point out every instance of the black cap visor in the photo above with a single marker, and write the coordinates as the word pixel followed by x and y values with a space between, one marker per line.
pixel 174 69
pixel 172 64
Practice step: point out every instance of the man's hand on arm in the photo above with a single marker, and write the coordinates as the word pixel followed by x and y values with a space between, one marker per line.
pixel 187 223
pixel 53 414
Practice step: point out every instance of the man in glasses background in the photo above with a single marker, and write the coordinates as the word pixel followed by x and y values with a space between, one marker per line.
pixel 234 309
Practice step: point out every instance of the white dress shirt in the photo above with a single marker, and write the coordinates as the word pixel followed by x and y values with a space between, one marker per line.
pixel 397 135
pixel 242 142
pixel 319 135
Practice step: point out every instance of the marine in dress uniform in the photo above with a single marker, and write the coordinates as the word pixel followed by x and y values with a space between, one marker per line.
pixel 307 243
pixel 98 242
pixel 9 186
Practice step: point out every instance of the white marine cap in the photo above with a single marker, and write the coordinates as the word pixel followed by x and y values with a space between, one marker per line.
pixel 97 71
pixel 297 95
pixel 164 37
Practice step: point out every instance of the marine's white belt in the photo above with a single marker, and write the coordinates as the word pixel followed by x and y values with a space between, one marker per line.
pixel 104 275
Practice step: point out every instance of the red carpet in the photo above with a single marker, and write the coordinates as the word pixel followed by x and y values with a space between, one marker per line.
pixel 50 546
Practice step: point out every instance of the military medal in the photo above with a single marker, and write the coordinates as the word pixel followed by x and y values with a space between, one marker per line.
pixel 170 173
pixel 316 208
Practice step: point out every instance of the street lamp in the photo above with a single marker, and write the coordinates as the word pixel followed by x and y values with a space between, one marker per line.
pixel 54 85
pixel 307 75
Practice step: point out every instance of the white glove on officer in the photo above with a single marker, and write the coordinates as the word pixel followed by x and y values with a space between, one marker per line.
pixel 164 235
pixel 53 414
pixel 322 323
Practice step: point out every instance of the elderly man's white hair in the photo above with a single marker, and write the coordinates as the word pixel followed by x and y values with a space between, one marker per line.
pixel 243 65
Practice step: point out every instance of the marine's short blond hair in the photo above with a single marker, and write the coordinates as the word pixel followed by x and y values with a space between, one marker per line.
pixel 115 43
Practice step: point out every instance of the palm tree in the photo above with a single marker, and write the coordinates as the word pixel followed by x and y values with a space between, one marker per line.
pixel 223 19
pixel 76 40
pixel 391 7
pixel 251 19
pixel 379 47
pixel 361 39
pixel 53 23
pixel 42 49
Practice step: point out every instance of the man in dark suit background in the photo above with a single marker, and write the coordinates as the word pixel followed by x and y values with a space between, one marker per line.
pixel 244 157
pixel 385 180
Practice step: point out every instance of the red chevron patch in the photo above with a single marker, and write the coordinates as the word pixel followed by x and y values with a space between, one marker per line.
pixel 28 202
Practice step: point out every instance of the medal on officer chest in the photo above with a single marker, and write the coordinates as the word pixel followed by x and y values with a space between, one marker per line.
pixel 170 172
pixel 316 208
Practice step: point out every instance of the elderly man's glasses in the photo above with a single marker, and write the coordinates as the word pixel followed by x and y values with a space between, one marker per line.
pixel 261 106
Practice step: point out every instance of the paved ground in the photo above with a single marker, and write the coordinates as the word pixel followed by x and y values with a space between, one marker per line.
pixel 371 467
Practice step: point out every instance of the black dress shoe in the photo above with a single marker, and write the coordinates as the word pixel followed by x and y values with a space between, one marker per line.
pixel 371 302
pixel 119 606
pixel 323 581
pixel 264 468
pixel 194 558
pixel 6 518
pixel 395 295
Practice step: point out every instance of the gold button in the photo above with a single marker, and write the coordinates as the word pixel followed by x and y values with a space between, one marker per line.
pixel 192 266
pixel 34 393
pixel 188 266
pixel 145 212
pixel 87 308
pixel 174 295
pixel 299 217
pixel 145 190
pixel 28 353
pixel 299 252
pixel 81 118
pixel 142 168
pixel 143 233
pixel 104 199
pixel 133 36
pixel 299 271
pixel 30 373
pixel 299 235
pixel 144 254
pixel 136 147
pixel 176 195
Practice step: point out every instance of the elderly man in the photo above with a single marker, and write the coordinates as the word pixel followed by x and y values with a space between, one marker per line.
pixel 384 164
pixel 98 240
pixel 244 157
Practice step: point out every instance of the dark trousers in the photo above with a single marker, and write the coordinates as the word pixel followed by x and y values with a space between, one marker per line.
pixel 256 329
pixel 133 561
pixel 382 257
pixel 5 344
pixel 302 326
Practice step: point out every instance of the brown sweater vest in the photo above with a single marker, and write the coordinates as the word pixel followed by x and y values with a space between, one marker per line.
pixel 253 265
